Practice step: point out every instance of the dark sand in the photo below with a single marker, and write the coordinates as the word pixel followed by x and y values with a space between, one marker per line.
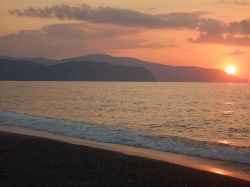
pixel 32 161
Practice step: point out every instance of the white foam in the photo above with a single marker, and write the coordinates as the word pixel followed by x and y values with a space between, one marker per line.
pixel 128 137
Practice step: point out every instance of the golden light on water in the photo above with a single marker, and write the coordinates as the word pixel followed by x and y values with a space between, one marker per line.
pixel 231 70
pixel 224 141
pixel 218 171
pixel 227 142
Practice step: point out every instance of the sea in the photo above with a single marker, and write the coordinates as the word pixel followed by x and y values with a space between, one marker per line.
pixel 207 120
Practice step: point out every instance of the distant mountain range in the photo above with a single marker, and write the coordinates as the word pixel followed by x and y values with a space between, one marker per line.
pixel 98 67
pixel 71 71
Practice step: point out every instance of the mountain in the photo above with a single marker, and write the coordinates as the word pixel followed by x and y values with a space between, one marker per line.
pixel 72 71
pixel 17 69
pixel 166 73
pixel 160 72
pixel 40 60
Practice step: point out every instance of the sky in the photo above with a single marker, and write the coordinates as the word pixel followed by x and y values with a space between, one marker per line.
pixel 205 33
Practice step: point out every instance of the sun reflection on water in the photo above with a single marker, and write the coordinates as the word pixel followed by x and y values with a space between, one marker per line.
pixel 228 103
pixel 224 141
pixel 227 142
pixel 228 112
pixel 219 171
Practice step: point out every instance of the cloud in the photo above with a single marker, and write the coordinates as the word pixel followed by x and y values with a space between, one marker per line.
pixel 235 53
pixel 218 32
pixel 234 2
pixel 242 27
pixel 64 40
pixel 115 16
pixel 210 30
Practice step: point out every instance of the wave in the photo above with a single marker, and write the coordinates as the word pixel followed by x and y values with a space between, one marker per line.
pixel 128 137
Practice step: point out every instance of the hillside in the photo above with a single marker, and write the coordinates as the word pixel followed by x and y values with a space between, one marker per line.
pixel 99 67
pixel 166 73
pixel 72 71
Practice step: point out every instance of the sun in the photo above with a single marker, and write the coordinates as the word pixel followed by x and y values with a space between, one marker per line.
pixel 231 70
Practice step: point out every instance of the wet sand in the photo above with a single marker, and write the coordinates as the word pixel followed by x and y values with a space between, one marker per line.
pixel 32 161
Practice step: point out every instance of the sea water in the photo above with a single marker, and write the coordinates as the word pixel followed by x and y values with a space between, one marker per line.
pixel 209 120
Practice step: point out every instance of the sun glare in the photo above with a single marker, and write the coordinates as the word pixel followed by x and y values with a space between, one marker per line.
pixel 218 171
pixel 231 70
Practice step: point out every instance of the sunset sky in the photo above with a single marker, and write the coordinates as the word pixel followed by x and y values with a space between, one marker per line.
pixel 206 33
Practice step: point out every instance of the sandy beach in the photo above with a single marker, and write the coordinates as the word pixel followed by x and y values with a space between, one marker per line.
pixel 36 161
pixel 125 93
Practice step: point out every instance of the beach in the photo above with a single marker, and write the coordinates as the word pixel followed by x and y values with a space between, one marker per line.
pixel 125 93
pixel 35 161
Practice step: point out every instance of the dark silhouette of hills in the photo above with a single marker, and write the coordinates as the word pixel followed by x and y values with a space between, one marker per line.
pixel 17 69
pixel 166 73
pixel 40 60
pixel 108 68
pixel 72 71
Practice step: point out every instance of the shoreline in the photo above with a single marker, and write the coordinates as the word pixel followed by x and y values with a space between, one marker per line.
pixel 197 163
pixel 35 161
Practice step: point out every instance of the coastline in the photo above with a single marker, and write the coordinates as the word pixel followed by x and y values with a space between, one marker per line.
pixel 177 160
pixel 35 161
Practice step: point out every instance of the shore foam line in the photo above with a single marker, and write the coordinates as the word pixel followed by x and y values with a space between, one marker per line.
pixel 129 137
pixel 213 166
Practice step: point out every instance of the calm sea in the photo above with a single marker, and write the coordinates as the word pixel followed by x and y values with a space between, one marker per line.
pixel 210 120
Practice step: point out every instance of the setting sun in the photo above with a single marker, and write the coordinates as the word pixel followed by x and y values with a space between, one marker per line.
pixel 231 70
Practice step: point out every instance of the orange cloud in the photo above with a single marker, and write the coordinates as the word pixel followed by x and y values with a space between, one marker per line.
pixel 116 16
pixel 218 32
pixel 64 40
